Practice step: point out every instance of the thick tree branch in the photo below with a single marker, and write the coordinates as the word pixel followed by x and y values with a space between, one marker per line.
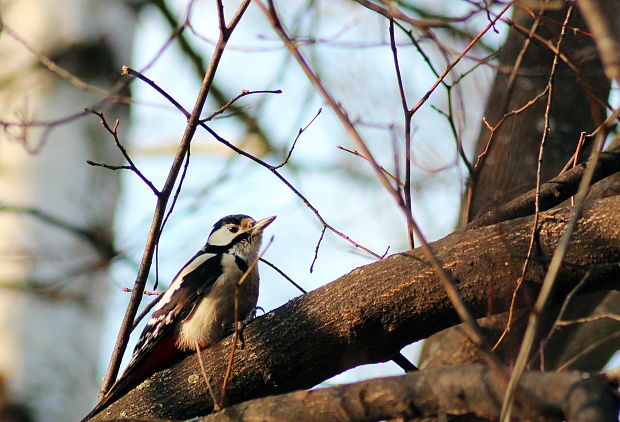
pixel 371 313
pixel 553 192
pixel 454 390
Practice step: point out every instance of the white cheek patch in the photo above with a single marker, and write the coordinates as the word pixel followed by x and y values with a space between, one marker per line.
pixel 176 283
pixel 221 236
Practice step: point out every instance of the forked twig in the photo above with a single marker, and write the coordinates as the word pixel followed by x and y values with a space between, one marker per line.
pixel 301 130
pixel 114 132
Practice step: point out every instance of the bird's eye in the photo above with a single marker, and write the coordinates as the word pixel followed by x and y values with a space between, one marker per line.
pixel 233 229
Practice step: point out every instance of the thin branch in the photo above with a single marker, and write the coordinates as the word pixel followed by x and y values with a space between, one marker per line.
pixel 583 81
pixel 177 192
pixel 458 59
pixel 257 160
pixel 591 318
pixel 532 327
pixel 129 71
pixel 362 156
pixel 279 271
pixel 162 200
pixel 392 12
pixel 237 327
pixel 492 129
pixel 145 312
pixel 301 130
pixel 591 347
pixel 316 249
pixel 243 93
pixel 114 132
pixel 406 205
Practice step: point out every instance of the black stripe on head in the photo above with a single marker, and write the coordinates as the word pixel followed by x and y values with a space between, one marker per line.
pixel 218 249
pixel 235 219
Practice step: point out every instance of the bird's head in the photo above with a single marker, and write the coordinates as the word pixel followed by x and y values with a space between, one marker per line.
pixel 239 234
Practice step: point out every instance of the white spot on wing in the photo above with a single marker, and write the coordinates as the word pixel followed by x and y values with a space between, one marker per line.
pixel 178 280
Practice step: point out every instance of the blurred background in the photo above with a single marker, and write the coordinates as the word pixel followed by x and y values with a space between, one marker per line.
pixel 73 234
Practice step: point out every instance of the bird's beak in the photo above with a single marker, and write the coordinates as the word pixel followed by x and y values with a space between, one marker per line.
pixel 261 224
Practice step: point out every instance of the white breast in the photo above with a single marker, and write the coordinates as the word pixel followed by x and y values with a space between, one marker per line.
pixel 215 312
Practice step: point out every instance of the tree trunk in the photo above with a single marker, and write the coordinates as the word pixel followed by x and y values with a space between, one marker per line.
pixel 508 167
pixel 57 214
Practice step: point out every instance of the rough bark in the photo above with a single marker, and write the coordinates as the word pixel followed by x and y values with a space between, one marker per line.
pixel 372 312
pixel 509 166
pixel 553 192
pixel 457 390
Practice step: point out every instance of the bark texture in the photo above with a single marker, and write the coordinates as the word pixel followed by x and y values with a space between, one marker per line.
pixel 457 390
pixel 579 94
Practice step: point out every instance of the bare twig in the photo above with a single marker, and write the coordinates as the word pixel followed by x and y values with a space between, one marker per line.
pixel 458 59
pixel 446 280
pixel 145 312
pixel 583 81
pixel 316 249
pixel 129 71
pixel 114 132
pixel 492 129
pixel 162 200
pixel 532 327
pixel 257 160
pixel 406 203
pixel 362 156
pixel 393 12
pixel 591 318
pixel 243 93
pixel 216 404
pixel 588 349
pixel 237 327
pixel 279 271
pixel 301 130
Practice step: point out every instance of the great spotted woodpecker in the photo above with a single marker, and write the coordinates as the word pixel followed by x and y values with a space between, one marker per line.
pixel 198 307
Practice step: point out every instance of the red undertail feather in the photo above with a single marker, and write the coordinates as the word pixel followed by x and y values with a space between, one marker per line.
pixel 162 355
